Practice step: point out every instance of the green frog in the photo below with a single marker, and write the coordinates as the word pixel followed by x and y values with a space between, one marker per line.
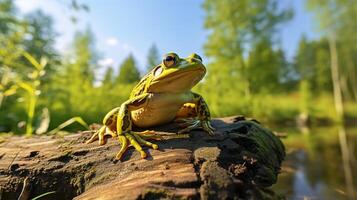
pixel 161 96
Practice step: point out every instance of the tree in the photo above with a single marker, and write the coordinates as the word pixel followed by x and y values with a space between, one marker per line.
pixel 128 72
pixel 8 19
pixel 73 86
pixel 235 27
pixel 108 77
pixel 12 31
pixel 329 14
pixel 153 57
pixel 85 57
pixel 311 63
pixel 264 67
pixel 31 36
pixel 41 41
pixel 335 19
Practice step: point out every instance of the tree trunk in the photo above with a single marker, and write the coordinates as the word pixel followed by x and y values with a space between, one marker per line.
pixel 340 114
pixel 336 79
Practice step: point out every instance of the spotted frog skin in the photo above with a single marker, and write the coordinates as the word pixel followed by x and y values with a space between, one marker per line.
pixel 163 95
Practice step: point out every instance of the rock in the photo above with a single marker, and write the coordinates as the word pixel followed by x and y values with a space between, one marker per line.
pixel 240 161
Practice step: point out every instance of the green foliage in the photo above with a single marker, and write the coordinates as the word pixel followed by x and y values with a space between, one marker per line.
pixel 238 28
pixel 247 72
pixel 12 31
pixel 128 72
pixel 313 65
pixel 72 86
pixel 264 67
pixel 336 22
pixel 40 39
pixel 108 77
pixel 31 87
pixel 305 92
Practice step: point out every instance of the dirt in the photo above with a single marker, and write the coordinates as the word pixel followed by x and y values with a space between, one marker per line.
pixel 241 161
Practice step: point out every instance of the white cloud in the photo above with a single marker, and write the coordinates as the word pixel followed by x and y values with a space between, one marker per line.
pixel 60 13
pixel 111 41
pixel 114 49
pixel 106 62
pixel 27 6
pixel 126 47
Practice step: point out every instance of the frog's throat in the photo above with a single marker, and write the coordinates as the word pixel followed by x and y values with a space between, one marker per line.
pixel 178 82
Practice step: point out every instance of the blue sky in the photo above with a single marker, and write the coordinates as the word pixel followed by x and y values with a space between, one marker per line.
pixel 123 27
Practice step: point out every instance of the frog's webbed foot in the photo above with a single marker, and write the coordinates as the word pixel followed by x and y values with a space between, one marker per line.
pixel 193 123
pixel 100 135
pixel 136 139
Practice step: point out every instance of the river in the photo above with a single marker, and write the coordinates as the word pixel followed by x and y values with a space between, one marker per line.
pixel 316 167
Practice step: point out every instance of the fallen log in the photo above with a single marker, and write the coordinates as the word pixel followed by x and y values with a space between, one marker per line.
pixel 241 161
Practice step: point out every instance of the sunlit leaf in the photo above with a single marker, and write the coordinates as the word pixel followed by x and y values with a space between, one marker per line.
pixel 33 75
pixel 21 99
pixel 43 62
pixel 26 87
pixel 69 122
pixel 42 73
pixel 36 83
pixel 37 92
pixel 33 61
pixel 12 90
pixel 45 122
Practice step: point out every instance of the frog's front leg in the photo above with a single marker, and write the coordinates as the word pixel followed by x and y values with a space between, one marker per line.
pixel 124 128
pixel 118 123
pixel 202 119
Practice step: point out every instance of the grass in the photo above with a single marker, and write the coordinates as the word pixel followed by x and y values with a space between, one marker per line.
pixel 44 194
pixel 281 108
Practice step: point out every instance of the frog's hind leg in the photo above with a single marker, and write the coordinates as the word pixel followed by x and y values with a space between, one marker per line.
pixel 100 135
pixel 105 130
pixel 186 117
pixel 195 115
pixel 188 110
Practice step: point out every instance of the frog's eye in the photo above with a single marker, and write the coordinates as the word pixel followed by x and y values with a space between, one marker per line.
pixel 196 57
pixel 158 71
pixel 169 61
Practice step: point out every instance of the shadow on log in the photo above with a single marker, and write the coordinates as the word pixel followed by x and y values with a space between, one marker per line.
pixel 241 161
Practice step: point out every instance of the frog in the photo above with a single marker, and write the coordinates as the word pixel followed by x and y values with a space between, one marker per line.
pixel 161 96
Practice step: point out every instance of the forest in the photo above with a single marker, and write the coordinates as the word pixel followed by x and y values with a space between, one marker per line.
pixel 248 72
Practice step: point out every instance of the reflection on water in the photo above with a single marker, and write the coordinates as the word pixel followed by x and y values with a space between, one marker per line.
pixel 316 167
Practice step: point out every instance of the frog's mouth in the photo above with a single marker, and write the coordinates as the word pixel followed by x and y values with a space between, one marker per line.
pixel 179 81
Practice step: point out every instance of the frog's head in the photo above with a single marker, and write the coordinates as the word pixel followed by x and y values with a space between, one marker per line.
pixel 176 74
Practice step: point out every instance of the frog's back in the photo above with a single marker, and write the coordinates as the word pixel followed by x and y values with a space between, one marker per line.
pixel 142 86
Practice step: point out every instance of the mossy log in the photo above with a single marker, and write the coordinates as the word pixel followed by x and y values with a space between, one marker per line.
pixel 241 161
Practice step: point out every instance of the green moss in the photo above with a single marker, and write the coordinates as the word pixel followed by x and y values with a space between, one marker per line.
pixel 262 145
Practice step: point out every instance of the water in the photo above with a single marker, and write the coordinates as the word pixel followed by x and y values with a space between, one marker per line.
pixel 317 167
